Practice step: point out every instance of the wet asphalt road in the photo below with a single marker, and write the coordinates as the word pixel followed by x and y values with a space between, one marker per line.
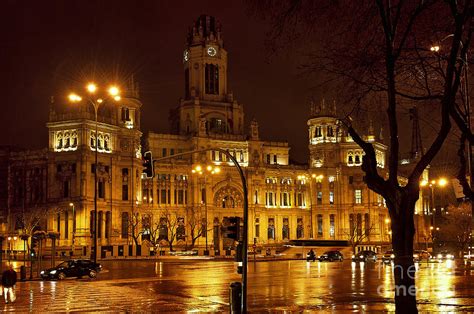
pixel 203 286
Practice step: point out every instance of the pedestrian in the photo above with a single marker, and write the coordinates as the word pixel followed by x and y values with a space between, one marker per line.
pixel 8 283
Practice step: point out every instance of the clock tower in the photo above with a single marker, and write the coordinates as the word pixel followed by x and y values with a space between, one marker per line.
pixel 207 107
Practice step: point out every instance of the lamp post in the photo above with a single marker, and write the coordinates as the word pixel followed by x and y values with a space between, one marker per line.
pixel 200 171
pixel 113 93
pixel 73 227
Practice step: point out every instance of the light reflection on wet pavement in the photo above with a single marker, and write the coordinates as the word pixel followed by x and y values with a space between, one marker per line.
pixel 203 286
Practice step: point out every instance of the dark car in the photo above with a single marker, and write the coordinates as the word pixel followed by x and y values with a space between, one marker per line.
pixel 365 256
pixel 331 256
pixel 388 256
pixel 72 268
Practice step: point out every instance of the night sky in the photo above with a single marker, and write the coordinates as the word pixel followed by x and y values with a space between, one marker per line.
pixel 52 47
pixel 48 47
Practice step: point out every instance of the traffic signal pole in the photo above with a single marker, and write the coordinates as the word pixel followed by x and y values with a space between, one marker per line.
pixel 245 218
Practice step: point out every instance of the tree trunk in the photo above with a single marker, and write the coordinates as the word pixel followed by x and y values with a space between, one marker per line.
pixel 403 230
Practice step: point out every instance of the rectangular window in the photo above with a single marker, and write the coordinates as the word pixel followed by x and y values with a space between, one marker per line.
pixel 101 189
pixel 332 226
pixel 67 186
pixel 320 225
pixel 171 151
pixel 257 227
pixel 163 197
pixel 275 160
pixel 320 198
pixel 125 192
pixel 268 158
pixel 124 172
pixel 163 152
pixel 125 222
pixel 92 168
pixel 256 197
pixel 331 197
pixel 212 79
pixel 269 201
pixel 358 196
pixel 299 199
pixel 180 197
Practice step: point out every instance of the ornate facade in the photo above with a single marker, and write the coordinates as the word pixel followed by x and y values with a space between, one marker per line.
pixel 325 199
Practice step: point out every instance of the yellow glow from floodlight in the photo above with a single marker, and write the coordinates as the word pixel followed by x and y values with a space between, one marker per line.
pixel 313 176
pixel 387 221
pixel 91 88
pixel 424 183
pixel 217 169
pixel 442 182
pixel 209 168
pixel 71 204
pixel 198 168
pixel 117 98
pixel 435 48
pixel 100 100
pixel 73 97
pixel 114 91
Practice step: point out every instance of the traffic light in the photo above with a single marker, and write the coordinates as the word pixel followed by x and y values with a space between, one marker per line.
pixel 233 228
pixel 148 164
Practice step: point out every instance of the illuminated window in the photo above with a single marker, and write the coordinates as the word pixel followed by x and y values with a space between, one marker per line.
pixel 320 198
pixel 286 229
pixel 271 229
pixel 300 228
pixel 332 227
pixel 320 225
pixel 269 199
pixel 358 196
pixel 331 197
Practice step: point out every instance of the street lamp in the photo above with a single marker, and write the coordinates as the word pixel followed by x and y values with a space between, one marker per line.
pixel 73 227
pixel 113 93
pixel 209 170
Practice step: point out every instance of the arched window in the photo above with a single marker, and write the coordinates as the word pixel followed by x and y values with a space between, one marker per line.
pixel 59 137
pixel 67 140
pixel 74 139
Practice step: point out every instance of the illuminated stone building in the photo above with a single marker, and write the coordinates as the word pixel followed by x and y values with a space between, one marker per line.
pixel 323 200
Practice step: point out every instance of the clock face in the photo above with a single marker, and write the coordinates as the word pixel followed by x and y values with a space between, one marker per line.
pixel 186 55
pixel 211 51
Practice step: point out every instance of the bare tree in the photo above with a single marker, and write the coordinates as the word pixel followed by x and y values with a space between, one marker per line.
pixel 196 224
pixel 377 54
pixel 170 220
pixel 134 230
pixel 356 235
pixel 30 219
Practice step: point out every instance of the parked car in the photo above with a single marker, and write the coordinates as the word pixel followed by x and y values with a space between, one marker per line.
pixel 443 256
pixel 72 268
pixel 388 256
pixel 365 256
pixel 331 256
pixel 420 255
